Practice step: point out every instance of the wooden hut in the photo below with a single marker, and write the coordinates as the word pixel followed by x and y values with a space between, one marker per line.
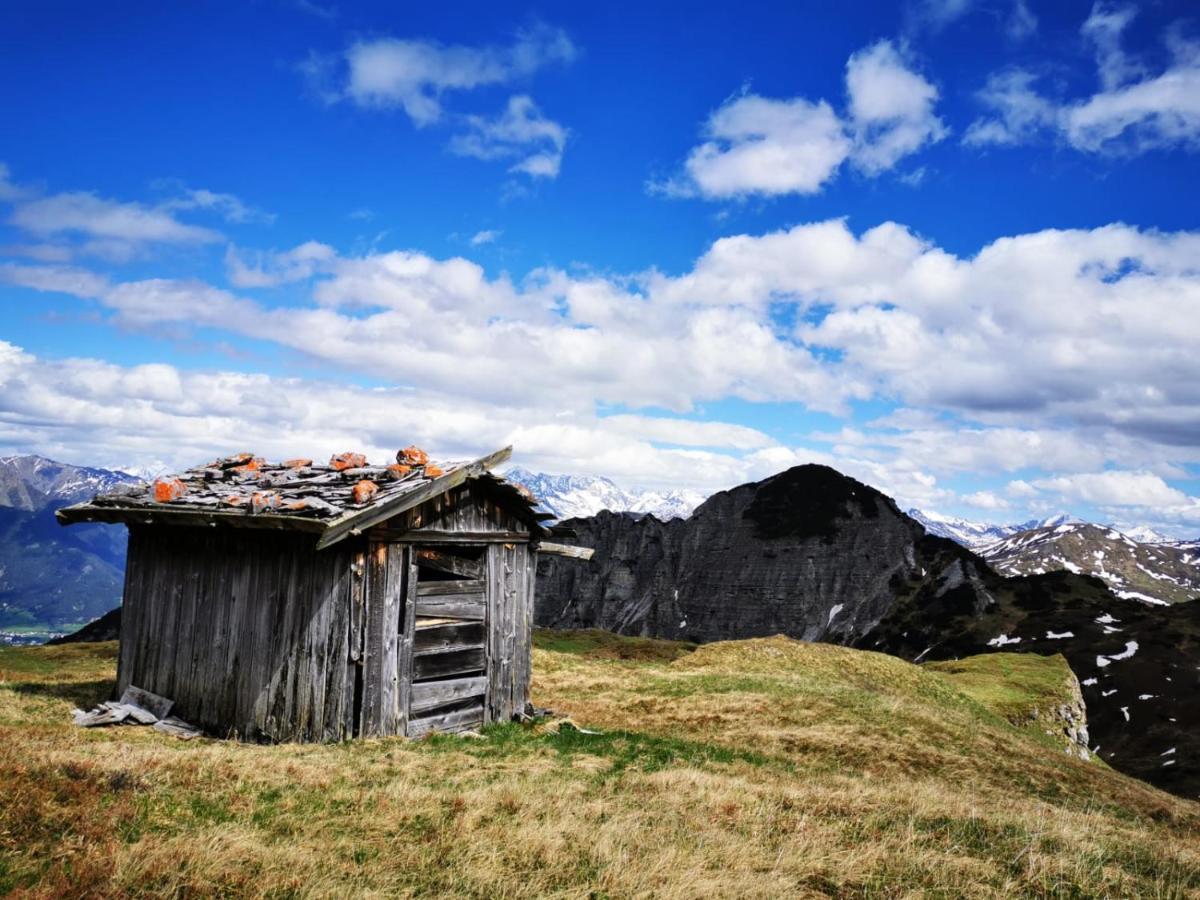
pixel 300 602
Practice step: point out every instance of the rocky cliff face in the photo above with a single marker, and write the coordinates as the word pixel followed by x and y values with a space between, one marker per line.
pixel 815 555
pixel 746 565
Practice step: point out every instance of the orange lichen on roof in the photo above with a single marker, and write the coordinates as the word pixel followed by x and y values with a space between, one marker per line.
pixel 261 500
pixel 398 471
pixel 364 491
pixel 432 471
pixel 348 460
pixel 235 499
pixel 412 456
pixel 252 466
pixel 237 459
pixel 296 504
pixel 524 491
pixel 297 463
pixel 168 489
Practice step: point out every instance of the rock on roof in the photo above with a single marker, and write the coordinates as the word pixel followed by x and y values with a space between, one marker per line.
pixel 246 489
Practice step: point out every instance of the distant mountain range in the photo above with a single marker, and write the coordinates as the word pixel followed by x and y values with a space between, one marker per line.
pixel 570 496
pixel 1151 572
pixel 53 579
pixel 1137 563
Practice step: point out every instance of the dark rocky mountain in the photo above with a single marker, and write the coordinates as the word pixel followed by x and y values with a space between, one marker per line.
pixel 52 578
pixel 815 555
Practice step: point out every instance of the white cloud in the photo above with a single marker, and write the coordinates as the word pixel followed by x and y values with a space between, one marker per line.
pixel 891 108
pixel 1019 112
pixel 487 236
pixel 270 269
pixel 1063 351
pixel 82 222
pixel 760 145
pixel 1114 488
pixel 520 132
pixel 415 74
pixel 986 500
pixel 82 212
pixel 764 146
pixel 1133 111
pixel 229 207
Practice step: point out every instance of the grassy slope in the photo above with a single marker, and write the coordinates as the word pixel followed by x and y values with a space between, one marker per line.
pixel 753 768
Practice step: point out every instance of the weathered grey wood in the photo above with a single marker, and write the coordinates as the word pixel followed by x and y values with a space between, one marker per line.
pixel 441 561
pixel 148 515
pixel 159 707
pixel 457 537
pixel 429 695
pixel 177 728
pixel 458 720
pixel 564 550
pixel 407 558
pixel 450 635
pixel 445 588
pixel 443 665
pixel 454 606
pixel 360 520
pixel 394 587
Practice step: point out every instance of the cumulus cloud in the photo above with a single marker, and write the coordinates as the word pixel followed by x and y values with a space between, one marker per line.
pixel 891 108
pixel 521 132
pixel 1061 353
pixel 1133 111
pixel 764 146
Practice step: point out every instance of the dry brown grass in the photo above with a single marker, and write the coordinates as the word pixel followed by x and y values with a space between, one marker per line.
pixel 749 769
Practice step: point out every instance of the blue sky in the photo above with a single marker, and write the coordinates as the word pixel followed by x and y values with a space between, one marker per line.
pixel 948 247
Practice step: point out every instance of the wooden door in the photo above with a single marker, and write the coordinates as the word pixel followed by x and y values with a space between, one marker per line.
pixel 447 662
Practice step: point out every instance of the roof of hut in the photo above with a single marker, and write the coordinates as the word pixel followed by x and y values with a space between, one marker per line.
pixel 336 500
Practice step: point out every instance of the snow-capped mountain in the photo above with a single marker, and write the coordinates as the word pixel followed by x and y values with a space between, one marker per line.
pixel 977 534
pixel 52 578
pixel 577 496
pixel 33 482
pixel 1143 534
pixel 1150 572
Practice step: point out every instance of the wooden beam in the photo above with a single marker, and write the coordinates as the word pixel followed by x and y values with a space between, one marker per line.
pixel 564 550
pixel 355 522
pixel 448 563
pixel 459 537
pixel 150 515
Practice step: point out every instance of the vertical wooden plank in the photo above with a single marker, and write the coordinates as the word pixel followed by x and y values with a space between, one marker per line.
pixel 355 676
pixel 493 708
pixel 522 649
pixel 393 601
pixel 131 611
pixel 373 662
pixel 406 557
pixel 333 575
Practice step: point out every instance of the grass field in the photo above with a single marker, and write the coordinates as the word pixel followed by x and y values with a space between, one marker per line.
pixel 757 768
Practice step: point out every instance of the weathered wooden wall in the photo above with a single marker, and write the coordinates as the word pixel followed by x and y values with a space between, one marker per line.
pixel 250 635
pixel 261 636
pixel 510 634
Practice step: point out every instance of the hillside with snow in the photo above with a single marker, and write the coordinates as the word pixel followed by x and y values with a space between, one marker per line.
pixel 1151 572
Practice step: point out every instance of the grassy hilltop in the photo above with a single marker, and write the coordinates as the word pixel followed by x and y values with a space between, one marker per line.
pixel 748 768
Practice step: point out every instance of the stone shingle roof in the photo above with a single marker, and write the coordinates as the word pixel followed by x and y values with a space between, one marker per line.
pixel 342 496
